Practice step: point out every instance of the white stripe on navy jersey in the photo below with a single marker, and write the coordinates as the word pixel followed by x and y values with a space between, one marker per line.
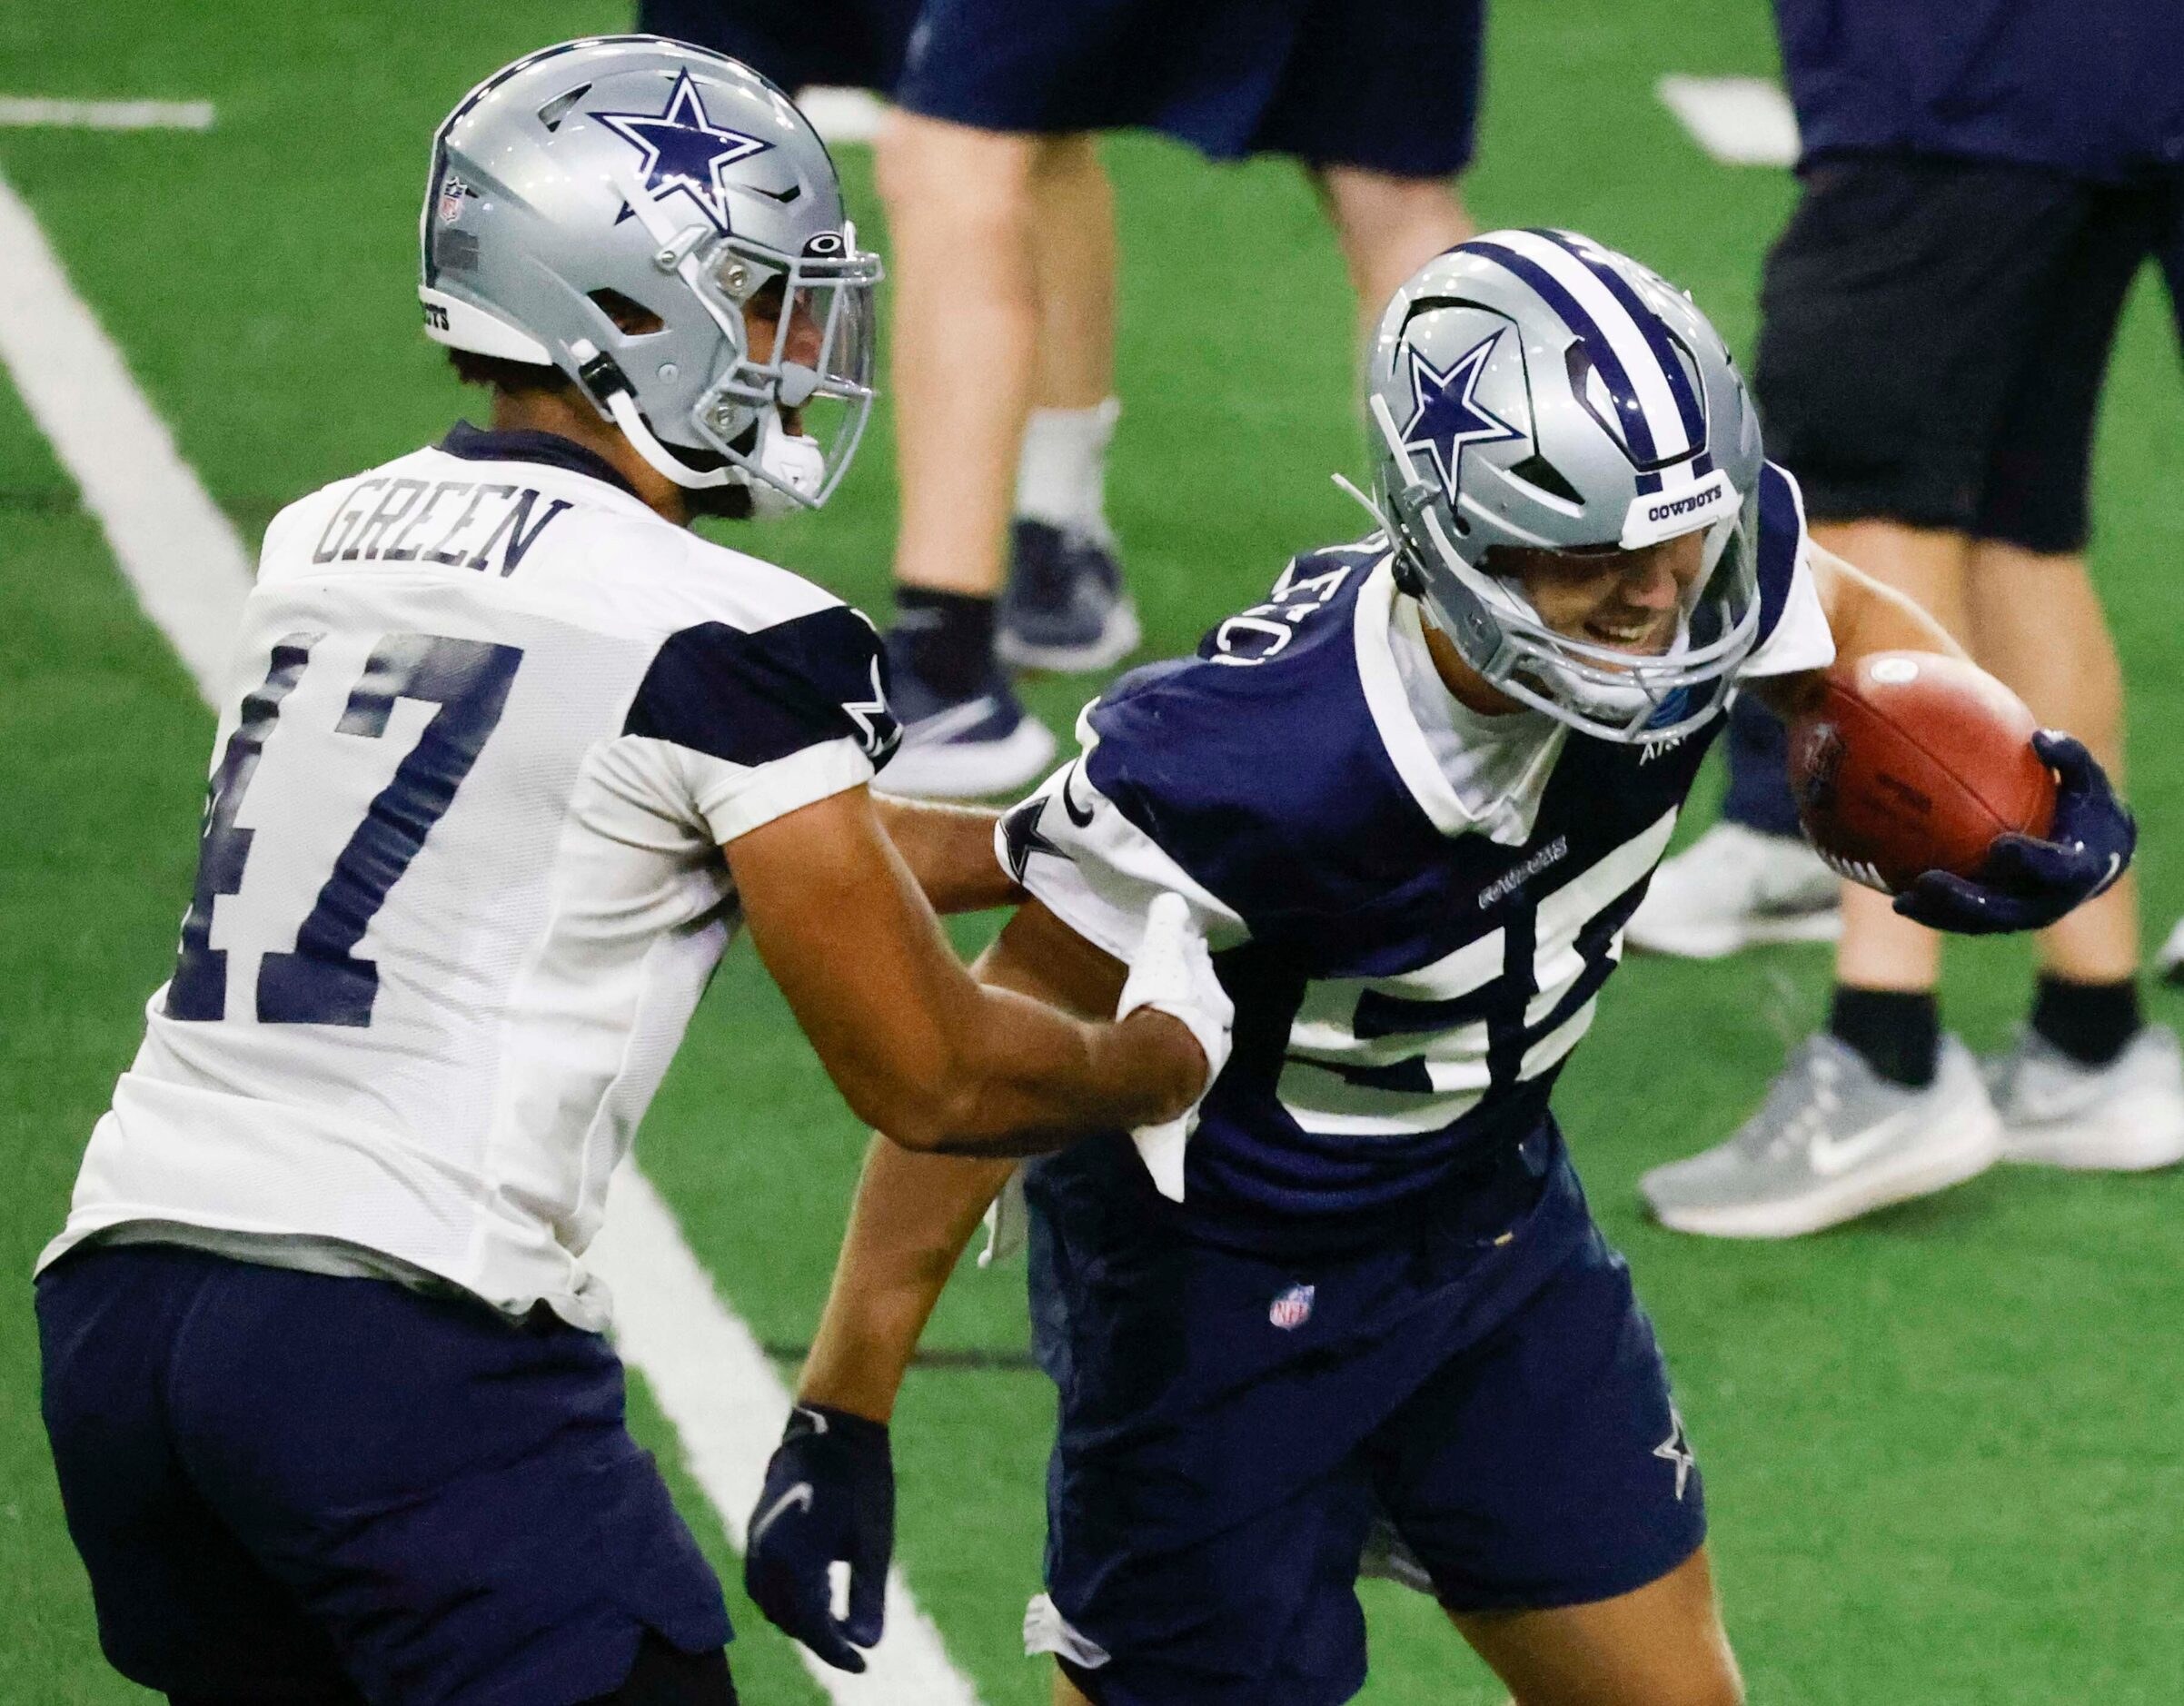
pixel 1650 383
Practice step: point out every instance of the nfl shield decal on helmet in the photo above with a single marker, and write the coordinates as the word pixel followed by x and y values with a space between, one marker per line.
pixel 1292 1309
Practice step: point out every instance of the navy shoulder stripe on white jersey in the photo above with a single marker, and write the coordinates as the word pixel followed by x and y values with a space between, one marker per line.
pixel 753 696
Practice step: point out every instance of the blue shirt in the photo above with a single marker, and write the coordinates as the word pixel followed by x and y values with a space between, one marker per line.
pixel 2094 88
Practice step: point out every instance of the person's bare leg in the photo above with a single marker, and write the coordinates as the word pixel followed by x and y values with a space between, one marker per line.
pixel 1388 227
pixel 1074 256
pixel 1660 1645
pixel 1067 1693
pixel 1880 950
pixel 1061 470
pixel 960 210
pixel 2036 623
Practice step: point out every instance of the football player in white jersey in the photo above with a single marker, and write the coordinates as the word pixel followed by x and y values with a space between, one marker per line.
pixel 508 755
pixel 1414 793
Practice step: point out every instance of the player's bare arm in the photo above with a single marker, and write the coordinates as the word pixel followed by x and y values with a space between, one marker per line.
pixel 840 897
pixel 913 1215
pixel 1864 616
pixel 950 852
pixel 917 1047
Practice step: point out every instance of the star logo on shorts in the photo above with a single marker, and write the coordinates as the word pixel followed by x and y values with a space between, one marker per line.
pixel 684 151
pixel 1447 413
pixel 1022 835
pixel 1676 1448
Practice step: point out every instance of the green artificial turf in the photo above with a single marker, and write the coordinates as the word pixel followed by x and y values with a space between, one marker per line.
pixel 1941 1447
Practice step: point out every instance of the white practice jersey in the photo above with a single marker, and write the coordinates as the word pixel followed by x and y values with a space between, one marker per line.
pixel 489 720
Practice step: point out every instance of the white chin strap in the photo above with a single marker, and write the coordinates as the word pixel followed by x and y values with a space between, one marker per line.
pixel 794 467
pixel 663 460
pixel 790 467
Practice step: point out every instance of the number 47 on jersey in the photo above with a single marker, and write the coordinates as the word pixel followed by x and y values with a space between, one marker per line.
pixel 321 981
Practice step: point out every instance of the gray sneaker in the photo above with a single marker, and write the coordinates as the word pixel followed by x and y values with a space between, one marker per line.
pixel 1064 607
pixel 2126 1117
pixel 1388 1557
pixel 1832 1141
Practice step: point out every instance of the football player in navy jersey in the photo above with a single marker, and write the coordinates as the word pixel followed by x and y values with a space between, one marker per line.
pixel 1413 796
pixel 510 756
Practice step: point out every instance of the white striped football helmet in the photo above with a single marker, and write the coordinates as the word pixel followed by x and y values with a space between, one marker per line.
pixel 1532 388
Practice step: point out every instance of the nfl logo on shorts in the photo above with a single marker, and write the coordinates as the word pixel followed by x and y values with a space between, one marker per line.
pixel 1292 1309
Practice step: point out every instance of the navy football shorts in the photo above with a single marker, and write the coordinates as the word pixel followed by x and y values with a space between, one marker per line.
pixel 1933 334
pixel 1388 84
pixel 299 1489
pixel 1230 1422
pixel 848 43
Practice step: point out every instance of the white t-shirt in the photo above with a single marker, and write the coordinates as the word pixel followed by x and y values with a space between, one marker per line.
pixel 489 720
pixel 1499 766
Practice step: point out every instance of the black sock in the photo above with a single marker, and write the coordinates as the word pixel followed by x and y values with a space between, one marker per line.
pixel 2090 1022
pixel 1898 1033
pixel 946 639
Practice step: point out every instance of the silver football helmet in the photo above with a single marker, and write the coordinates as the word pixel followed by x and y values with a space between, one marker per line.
pixel 1532 389
pixel 610 207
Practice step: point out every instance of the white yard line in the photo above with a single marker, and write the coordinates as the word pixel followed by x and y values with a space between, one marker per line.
pixel 30 109
pixel 716 1386
pixel 1740 121
pixel 191 574
pixel 177 549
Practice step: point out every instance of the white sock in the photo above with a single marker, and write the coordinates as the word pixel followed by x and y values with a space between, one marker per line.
pixel 1062 474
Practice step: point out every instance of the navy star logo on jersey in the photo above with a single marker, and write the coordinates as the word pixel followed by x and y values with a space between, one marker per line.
pixel 684 151
pixel 1447 413
pixel 1021 835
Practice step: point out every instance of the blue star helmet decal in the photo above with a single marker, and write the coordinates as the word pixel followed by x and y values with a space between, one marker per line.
pixel 684 151
pixel 1445 412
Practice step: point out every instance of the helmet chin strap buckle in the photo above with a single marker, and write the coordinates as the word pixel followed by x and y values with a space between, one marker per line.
pixel 609 386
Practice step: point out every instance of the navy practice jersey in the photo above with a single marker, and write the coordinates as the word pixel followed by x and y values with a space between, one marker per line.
pixel 1407 986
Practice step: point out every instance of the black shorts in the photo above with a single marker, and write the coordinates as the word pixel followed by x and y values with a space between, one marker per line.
pixel 290 1487
pixel 1933 334
pixel 1391 85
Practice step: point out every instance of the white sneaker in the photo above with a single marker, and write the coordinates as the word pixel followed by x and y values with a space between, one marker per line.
pixel 1735 888
pixel 2126 1117
pixel 971 752
pixel 962 748
pixel 1832 1141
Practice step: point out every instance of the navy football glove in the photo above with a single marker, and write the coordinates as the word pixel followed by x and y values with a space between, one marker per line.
pixel 829 1494
pixel 2027 884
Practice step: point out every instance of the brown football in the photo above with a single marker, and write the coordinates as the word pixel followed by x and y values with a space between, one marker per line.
pixel 1911 761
